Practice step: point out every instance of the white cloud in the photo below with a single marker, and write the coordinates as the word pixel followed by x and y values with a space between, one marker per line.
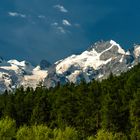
pixel 61 29
pixel 54 24
pixel 61 8
pixel 22 15
pixel 41 16
pixel 15 14
pixel 66 22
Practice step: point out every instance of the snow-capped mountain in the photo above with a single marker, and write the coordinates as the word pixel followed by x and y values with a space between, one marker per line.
pixel 13 74
pixel 97 62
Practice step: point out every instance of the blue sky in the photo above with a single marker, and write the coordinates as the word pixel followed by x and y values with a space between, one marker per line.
pixel 53 29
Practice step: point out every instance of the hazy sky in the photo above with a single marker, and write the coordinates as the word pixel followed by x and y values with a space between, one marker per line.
pixel 53 29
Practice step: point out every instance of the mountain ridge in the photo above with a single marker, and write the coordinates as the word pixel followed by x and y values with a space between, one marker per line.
pixel 97 62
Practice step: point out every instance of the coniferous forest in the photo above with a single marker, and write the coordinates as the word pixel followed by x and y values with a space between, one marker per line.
pixel 100 110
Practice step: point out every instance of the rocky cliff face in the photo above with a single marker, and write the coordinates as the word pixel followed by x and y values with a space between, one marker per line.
pixel 97 62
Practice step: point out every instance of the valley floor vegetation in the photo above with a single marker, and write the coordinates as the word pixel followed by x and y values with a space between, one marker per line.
pixel 106 110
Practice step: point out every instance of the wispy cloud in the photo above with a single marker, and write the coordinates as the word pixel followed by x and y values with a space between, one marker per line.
pixel 41 16
pixel 61 8
pixel 54 24
pixel 61 30
pixel 16 14
pixel 66 22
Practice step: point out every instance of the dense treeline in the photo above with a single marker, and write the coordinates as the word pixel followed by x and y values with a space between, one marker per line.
pixel 99 110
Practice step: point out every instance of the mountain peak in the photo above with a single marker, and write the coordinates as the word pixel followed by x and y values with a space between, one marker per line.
pixel 44 64
pixel 113 42
pixel 102 46
pixel 120 50
pixel 19 63
pixel 137 51
pixel 99 46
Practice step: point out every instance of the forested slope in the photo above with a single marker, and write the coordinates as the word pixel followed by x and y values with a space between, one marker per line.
pixel 99 110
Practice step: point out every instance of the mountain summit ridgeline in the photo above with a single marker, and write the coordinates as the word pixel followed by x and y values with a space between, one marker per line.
pixel 97 62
